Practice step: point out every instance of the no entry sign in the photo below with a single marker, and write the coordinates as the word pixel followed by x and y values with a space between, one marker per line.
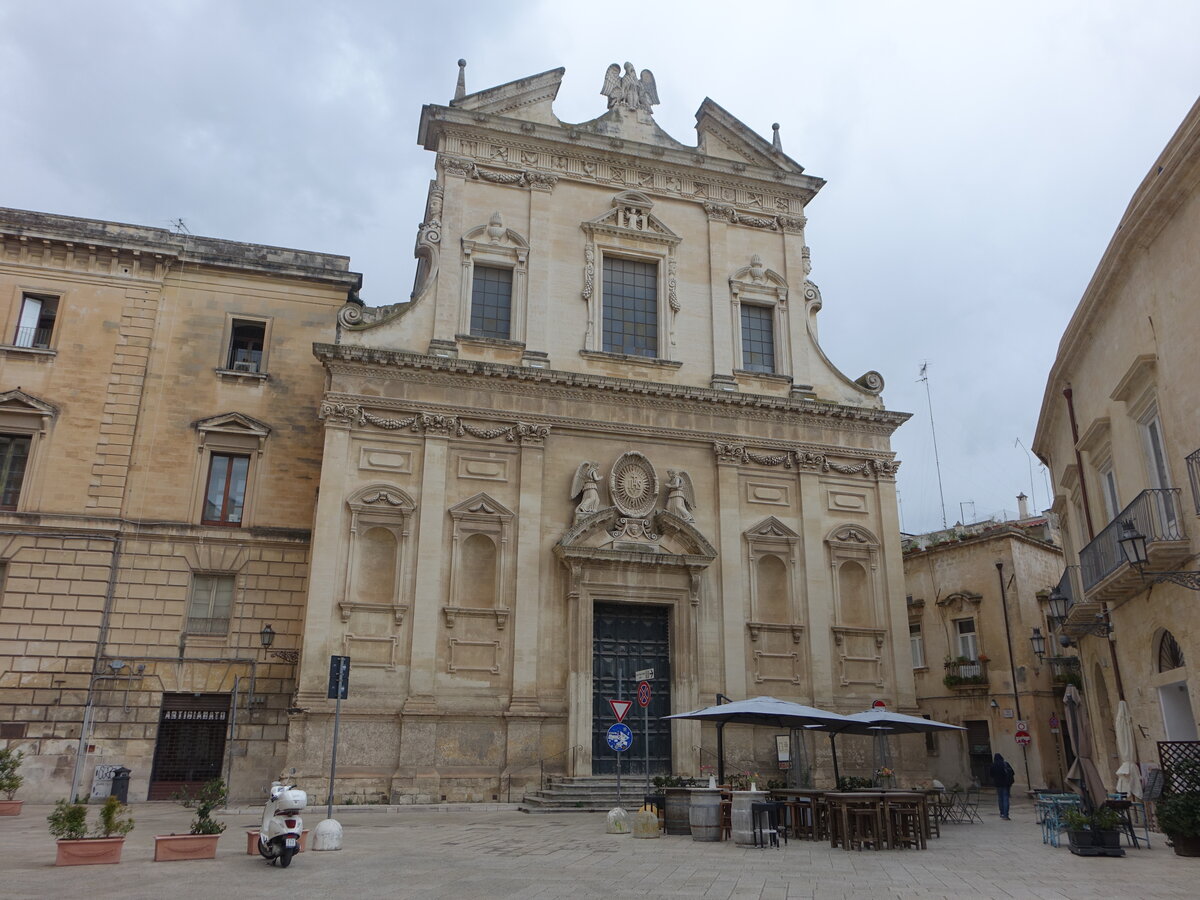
pixel 1022 738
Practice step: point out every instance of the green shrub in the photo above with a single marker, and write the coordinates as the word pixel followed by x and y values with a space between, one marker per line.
pixel 10 761
pixel 115 820
pixel 204 801
pixel 1179 814
pixel 853 783
pixel 68 821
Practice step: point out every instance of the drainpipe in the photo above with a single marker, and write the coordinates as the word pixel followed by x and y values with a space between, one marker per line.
pixel 101 641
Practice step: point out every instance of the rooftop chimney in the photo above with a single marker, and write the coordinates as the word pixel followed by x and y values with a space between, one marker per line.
pixel 1022 506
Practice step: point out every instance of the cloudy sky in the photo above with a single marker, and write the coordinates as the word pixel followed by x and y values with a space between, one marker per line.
pixel 979 155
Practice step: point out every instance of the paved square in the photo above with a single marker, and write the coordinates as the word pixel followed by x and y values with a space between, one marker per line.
pixel 474 853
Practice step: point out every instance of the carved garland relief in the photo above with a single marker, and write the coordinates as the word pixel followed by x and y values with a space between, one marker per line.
pixel 875 467
pixel 447 426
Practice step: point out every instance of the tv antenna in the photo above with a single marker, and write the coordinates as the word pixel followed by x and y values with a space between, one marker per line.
pixel 936 461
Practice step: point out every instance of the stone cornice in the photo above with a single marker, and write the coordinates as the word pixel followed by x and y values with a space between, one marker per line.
pixel 343 359
pixel 537 146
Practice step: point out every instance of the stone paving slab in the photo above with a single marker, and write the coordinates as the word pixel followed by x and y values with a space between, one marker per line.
pixel 476 853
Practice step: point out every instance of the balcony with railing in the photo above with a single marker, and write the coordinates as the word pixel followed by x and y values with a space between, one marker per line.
pixel 965 673
pixel 34 338
pixel 1065 670
pixel 1193 467
pixel 1157 514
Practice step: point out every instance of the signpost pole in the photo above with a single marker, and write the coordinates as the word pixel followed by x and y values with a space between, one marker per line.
pixel 337 721
pixel 620 696
pixel 646 742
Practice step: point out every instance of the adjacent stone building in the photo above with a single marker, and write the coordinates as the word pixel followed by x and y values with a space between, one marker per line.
pixel 1119 431
pixel 975 595
pixel 601 438
pixel 160 458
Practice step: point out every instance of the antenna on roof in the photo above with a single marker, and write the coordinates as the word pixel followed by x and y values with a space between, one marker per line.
pixel 179 226
pixel 937 462
pixel 460 89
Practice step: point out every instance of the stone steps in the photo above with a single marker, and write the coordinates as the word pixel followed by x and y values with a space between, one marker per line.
pixel 585 794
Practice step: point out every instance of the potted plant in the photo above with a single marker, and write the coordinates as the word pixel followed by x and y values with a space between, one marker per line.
pixel 1094 834
pixel 10 762
pixel 201 841
pixel 1079 831
pixel 68 823
pixel 1179 811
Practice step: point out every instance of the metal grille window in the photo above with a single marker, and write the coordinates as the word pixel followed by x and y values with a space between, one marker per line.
pixel 36 324
pixel 14 453
pixel 225 496
pixel 210 604
pixel 1170 654
pixel 630 307
pixel 758 338
pixel 491 302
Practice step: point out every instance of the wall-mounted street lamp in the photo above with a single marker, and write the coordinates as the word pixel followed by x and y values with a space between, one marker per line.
pixel 1133 545
pixel 1038 641
pixel 267 636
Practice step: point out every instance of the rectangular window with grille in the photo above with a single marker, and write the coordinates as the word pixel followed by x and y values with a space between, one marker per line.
pixel 225 496
pixel 14 454
pixel 210 604
pixel 630 307
pixel 247 338
pixel 491 302
pixel 758 338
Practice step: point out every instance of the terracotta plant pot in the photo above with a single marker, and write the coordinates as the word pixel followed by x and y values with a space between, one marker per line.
pixel 172 847
pixel 10 807
pixel 90 852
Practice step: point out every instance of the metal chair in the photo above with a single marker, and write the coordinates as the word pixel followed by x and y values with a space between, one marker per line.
pixel 969 807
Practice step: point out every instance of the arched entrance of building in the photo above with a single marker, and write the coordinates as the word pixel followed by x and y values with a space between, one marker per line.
pixel 1174 698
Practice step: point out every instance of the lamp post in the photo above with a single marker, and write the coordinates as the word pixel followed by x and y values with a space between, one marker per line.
pixel 267 637
pixel 1038 641
pixel 1133 545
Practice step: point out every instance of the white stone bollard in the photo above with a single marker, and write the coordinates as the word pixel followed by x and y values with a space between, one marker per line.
pixel 327 835
pixel 617 821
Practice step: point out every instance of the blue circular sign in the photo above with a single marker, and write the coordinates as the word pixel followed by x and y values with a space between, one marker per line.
pixel 619 737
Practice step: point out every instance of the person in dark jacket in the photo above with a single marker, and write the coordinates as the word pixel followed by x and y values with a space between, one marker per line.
pixel 1003 778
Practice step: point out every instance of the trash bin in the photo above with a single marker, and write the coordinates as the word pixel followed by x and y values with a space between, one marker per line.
pixel 120 784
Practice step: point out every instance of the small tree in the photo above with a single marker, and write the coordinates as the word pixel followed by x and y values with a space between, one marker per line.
pixel 204 801
pixel 10 761
pixel 115 820
pixel 68 821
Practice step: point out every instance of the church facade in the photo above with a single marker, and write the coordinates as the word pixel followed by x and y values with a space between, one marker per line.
pixel 601 438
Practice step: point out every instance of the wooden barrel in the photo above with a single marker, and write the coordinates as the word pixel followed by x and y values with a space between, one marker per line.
pixel 704 814
pixel 677 811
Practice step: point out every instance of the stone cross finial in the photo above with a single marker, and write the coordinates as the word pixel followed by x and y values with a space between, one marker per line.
pixel 460 89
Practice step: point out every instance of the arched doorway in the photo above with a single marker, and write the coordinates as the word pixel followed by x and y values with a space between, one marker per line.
pixel 1174 699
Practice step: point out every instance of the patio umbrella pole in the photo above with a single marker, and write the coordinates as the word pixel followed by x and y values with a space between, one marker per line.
pixel 720 753
pixel 833 750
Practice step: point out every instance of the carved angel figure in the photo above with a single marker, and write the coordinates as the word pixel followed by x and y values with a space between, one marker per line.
pixel 627 90
pixel 587 483
pixel 681 497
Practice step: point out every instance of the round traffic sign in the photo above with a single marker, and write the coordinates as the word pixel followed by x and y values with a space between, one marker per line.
pixel 644 693
pixel 1053 720
pixel 619 737
pixel 1022 738
pixel 1022 726
pixel 878 704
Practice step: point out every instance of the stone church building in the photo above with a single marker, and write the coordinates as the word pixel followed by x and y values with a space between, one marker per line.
pixel 601 437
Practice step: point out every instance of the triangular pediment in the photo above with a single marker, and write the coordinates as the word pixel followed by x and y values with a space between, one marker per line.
pixel 526 98
pixel 853 534
pixel 17 401
pixel 481 505
pixel 721 134
pixel 233 423
pixel 630 215
pixel 771 527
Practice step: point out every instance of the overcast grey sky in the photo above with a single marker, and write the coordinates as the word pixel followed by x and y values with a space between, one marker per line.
pixel 978 155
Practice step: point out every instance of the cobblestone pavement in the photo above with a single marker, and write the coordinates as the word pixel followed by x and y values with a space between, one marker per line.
pixel 466 853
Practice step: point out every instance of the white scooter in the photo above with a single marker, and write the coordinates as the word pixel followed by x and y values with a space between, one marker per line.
pixel 279 835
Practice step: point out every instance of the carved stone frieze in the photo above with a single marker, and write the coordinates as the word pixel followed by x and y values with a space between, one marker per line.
pixel 728 214
pixel 339 413
pixel 526 178
pixel 523 433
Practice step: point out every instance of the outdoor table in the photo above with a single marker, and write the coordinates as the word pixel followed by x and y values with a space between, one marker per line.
pixel 743 819
pixel 895 800
pixel 843 806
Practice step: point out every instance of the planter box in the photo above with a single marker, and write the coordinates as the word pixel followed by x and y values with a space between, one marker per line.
pixel 252 842
pixel 10 807
pixel 1185 846
pixel 173 847
pixel 90 852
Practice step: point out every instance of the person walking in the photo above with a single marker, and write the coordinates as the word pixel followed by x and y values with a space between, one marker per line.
pixel 1003 778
